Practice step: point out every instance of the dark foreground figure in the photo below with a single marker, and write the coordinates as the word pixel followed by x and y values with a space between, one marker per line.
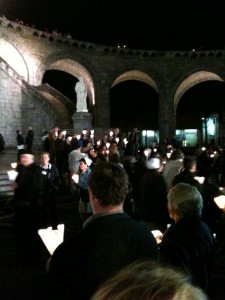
pixel 110 240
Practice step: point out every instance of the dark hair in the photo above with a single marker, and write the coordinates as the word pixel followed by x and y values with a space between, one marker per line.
pixel 83 160
pixel 108 182
pixel 26 151
pixel 177 154
pixel 45 153
pixel 189 162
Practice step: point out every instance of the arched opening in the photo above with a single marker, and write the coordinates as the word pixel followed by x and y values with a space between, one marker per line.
pixel 198 104
pixel 134 103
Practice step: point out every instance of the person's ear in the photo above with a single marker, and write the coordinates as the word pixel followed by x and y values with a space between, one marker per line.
pixel 91 196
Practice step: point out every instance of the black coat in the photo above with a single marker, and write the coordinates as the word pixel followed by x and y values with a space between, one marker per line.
pixel 105 245
pixel 30 186
pixel 152 204
pixel 187 177
pixel 189 245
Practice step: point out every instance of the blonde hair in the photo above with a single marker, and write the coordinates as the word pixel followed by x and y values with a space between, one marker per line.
pixel 149 281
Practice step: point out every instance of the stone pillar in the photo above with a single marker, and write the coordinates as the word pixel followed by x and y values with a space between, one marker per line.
pixel 102 106
pixel 81 120
pixel 167 116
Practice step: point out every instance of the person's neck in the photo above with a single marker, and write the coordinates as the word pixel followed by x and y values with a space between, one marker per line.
pixel 44 166
pixel 107 209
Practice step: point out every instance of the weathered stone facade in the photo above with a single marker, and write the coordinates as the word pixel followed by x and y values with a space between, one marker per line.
pixel 33 52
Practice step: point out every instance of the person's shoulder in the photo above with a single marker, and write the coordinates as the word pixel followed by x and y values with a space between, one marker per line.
pixel 69 245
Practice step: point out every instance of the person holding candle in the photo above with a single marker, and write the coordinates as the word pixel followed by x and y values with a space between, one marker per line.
pixel 51 180
pixel 27 194
pixel 109 240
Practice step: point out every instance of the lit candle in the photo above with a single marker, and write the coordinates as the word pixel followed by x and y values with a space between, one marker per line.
pixel 14 165
pixel 75 178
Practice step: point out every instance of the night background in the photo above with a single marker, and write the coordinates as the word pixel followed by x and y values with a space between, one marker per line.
pixel 153 25
pixel 161 24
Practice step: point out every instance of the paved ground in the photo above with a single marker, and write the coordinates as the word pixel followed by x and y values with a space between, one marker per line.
pixel 28 282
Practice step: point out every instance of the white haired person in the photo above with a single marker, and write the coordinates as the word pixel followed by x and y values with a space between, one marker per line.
pixel 189 243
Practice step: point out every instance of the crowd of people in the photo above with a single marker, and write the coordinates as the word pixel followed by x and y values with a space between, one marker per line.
pixel 125 195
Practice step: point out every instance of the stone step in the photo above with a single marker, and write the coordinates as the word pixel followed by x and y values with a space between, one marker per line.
pixel 5 181
pixel 6 188
pixel 3 173
pixel 3 176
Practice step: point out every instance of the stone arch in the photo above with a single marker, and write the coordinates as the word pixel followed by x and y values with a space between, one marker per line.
pixel 136 75
pixel 192 80
pixel 12 56
pixel 75 69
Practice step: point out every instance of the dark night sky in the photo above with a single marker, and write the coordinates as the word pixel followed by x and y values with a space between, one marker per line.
pixel 143 24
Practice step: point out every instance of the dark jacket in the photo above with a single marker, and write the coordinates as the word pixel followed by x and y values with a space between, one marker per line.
pixel 50 178
pixel 187 177
pixel 30 186
pixel 20 139
pixel 152 204
pixel 29 138
pixel 189 245
pixel 104 246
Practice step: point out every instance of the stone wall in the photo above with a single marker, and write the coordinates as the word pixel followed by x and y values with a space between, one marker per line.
pixel 10 109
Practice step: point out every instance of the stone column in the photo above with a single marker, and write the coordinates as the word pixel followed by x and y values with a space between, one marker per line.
pixel 81 120
pixel 167 117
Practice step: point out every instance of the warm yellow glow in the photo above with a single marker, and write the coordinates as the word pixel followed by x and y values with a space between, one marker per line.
pixel 220 201
pixel 13 58
pixel 52 238
pixel 75 178
pixel 14 165
pixel 12 175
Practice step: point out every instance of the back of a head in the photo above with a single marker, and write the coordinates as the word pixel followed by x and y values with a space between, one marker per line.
pixel 76 145
pixel 108 182
pixel 177 154
pixel 148 281
pixel 188 162
pixel 185 200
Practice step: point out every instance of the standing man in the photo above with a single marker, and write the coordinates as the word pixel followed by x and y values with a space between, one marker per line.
pixel 109 240
pixel 189 243
pixel 28 190
pixel 133 142
pixel 51 179
pixel 84 205
pixel 29 138
pixel 20 143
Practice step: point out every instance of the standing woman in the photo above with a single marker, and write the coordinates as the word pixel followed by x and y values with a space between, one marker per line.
pixel 20 143
pixel 84 206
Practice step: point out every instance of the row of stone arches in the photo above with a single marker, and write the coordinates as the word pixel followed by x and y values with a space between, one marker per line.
pixel 76 69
